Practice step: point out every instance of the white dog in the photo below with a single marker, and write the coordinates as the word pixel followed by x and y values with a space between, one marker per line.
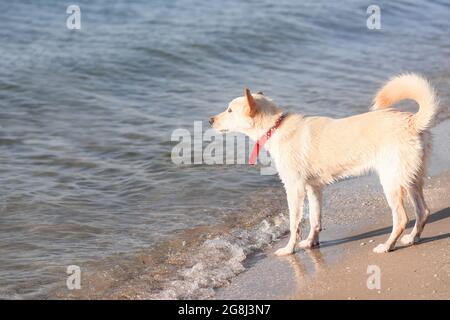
pixel 310 152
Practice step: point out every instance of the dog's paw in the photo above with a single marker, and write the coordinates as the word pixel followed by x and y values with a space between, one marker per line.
pixel 284 251
pixel 409 239
pixel 381 248
pixel 308 244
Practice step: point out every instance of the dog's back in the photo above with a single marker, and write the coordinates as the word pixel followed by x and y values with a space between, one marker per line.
pixel 385 140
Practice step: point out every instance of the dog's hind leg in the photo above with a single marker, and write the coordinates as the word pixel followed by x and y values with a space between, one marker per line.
pixel 314 202
pixel 415 193
pixel 295 196
pixel 394 195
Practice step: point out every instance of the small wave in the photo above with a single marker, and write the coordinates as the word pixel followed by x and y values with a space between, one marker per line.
pixel 220 259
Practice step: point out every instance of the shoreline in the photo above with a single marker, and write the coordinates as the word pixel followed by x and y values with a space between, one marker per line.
pixel 338 269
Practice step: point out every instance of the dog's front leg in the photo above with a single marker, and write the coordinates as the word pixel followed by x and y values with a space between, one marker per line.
pixel 315 202
pixel 295 197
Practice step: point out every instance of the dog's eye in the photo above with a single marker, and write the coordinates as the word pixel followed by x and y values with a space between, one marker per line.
pixel 229 110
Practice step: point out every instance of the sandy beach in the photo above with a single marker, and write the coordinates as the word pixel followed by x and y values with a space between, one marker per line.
pixel 341 267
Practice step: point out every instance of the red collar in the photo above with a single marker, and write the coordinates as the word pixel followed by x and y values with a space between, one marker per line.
pixel 261 141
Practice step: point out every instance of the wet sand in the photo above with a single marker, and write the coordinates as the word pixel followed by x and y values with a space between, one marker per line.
pixel 339 268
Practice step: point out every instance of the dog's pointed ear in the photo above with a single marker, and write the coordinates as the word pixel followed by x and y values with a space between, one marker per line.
pixel 251 102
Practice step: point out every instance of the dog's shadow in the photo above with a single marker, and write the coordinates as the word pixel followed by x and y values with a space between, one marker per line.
pixel 440 215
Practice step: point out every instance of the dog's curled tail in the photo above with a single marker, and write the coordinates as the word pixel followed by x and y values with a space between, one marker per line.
pixel 414 87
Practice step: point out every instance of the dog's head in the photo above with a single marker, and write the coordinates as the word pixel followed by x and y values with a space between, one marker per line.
pixel 245 114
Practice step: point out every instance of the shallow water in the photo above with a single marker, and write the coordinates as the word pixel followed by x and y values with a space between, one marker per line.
pixel 86 118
